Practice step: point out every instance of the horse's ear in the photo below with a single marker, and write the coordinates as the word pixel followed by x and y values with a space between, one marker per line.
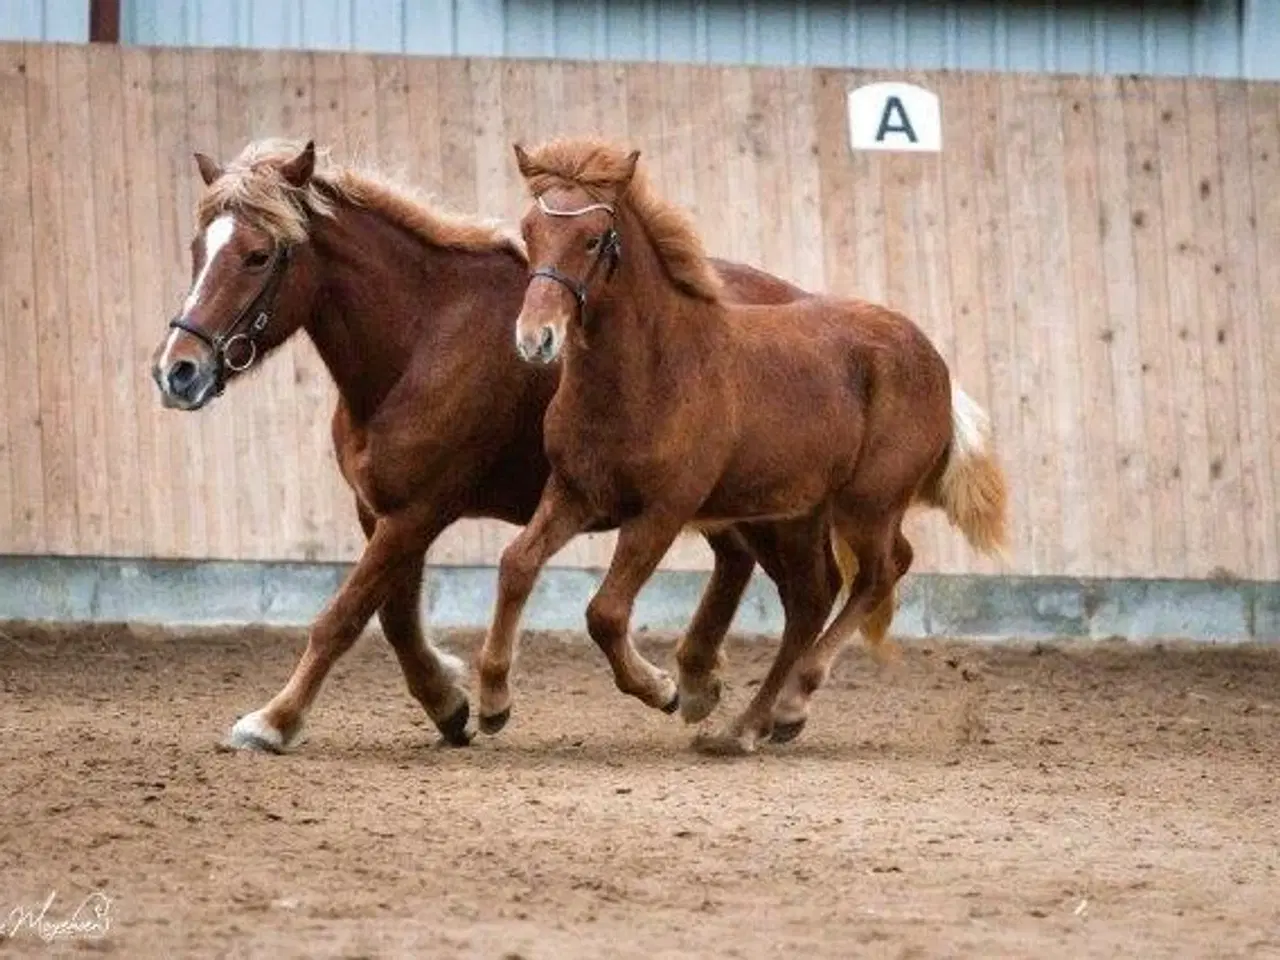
pixel 522 160
pixel 298 170
pixel 632 159
pixel 210 170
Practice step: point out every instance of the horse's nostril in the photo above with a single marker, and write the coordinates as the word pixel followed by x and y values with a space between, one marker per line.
pixel 181 376
pixel 548 339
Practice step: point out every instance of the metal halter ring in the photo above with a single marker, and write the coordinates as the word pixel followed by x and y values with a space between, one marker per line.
pixel 227 348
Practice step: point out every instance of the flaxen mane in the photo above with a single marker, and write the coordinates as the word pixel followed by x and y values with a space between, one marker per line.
pixel 253 187
pixel 598 167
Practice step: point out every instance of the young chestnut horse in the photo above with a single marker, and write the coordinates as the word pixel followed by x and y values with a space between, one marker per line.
pixel 677 407
pixel 437 417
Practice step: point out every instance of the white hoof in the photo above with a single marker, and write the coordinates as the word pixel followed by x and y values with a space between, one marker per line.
pixel 252 732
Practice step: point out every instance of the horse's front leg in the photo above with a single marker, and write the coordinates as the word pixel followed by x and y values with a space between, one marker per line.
pixel 560 516
pixel 396 540
pixel 642 543
pixel 435 677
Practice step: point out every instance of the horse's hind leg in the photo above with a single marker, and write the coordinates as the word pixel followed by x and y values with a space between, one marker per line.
pixel 798 559
pixel 396 540
pixel 698 655
pixel 434 676
pixel 811 672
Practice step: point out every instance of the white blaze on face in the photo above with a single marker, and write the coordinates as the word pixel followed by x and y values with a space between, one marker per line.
pixel 216 236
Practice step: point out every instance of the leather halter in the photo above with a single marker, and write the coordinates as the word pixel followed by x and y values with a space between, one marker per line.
pixel 260 308
pixel 610 249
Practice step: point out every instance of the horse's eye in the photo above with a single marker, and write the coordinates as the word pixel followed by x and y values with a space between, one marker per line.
pixel 593 244
pixel 256 258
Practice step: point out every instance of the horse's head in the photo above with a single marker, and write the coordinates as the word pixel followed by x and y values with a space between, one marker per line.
pixel 571 234
pixel 251 286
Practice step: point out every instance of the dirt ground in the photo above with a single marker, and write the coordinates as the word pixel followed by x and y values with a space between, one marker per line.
pixel 1023 801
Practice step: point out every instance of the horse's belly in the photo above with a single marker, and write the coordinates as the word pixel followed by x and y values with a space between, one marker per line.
pixel 743 497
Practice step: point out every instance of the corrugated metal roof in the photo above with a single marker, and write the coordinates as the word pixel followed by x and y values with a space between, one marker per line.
pixel 1231 38
pixel 64 21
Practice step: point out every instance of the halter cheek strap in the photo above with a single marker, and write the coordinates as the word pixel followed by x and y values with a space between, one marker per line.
pixel 610 251
pixel 261 308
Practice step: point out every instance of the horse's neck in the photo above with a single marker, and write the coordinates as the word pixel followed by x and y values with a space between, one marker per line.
pixel 639 347
pixel 376 302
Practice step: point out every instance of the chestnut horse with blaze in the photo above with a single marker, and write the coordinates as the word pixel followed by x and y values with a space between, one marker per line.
pixel 678 407
pixel 437 417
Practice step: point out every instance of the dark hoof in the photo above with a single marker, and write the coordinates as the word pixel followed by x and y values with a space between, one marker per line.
pixel 674 705
pixel 786 732
pixel 494 724
pixel 453 729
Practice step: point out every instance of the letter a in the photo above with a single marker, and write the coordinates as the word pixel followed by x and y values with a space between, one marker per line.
pixel 889 125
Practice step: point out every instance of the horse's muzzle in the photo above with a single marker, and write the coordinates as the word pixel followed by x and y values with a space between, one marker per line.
pixel 185 384
pixel 541 345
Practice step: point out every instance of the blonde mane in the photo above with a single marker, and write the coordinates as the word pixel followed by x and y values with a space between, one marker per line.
pixel 253 187
pixel 599 168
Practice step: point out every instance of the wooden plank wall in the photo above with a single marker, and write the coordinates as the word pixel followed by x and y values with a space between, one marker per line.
pixel 1099 259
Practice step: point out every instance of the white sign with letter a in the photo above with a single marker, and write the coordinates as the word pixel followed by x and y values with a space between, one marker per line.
pixel 895 116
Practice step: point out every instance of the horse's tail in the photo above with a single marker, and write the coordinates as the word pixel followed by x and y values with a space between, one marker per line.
pixel 876 627
pixel 969 484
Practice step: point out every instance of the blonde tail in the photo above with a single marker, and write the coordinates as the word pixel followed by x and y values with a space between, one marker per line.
pixel 971 486
pixel 876 626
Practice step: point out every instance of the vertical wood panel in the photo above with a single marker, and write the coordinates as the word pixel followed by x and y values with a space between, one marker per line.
pixel 1264 139
pixel 992 240
pixel 144 91
pixel 801 152
pixel 1226 486
pixel 22 495
pixel 52 317
pixel 122 478
pixel 845 184
pixel 491 149
pixel 765 136
pixel 612 102
pixel 967 308
pixel 1055 336
pixel 674 119
pixel 1029 249
pixel 422 112
pixel 459 133
pixel 1241 228
pixel 1160 440
pixel 1095 395
pixel 1186 374
pixel 85 347
pixel 1121 333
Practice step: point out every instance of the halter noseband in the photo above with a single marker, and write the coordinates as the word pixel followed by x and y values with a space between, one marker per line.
pixel 610 248
pixel 261 308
